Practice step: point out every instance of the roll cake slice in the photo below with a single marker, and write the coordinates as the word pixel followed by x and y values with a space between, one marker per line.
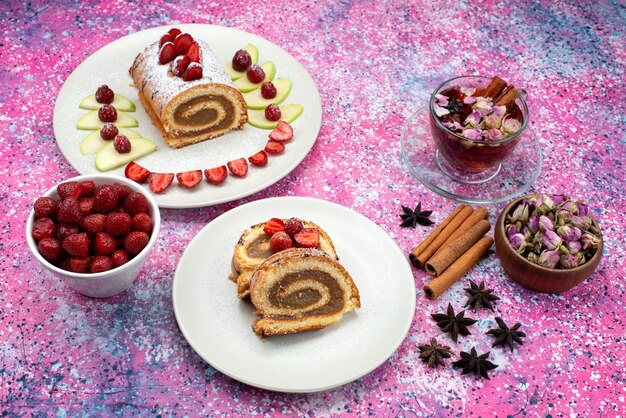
pixel 300 289
pixel 188 112
pixel 253 248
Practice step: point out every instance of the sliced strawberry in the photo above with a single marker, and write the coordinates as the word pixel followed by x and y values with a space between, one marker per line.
pixel 135 172
pixel 70 189
pixel 274 147
pixel 273 226
pixel 166 38
pixel 174 32
pixel 280 241
pixel 189 179
pixel 77 245
pixel 180 64
pixel 194 51
pixel 194 72
pixel 160 181
pixel 86 205
pixel 104 244
pixel 80 265
pixel 308 237
pixel 283 132
pixel 101 263
pixel 259 159
pixel 216 175
pixel 167 53
pixel 238 167
pixel 182 43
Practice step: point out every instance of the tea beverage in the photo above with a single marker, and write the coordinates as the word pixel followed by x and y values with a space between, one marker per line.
pixel 476 121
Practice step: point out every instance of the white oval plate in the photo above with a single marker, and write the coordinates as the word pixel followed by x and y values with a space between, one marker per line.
pixel 110 65
pixel 218 325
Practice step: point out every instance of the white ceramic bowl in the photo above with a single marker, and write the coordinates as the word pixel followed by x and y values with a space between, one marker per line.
pixel 106 283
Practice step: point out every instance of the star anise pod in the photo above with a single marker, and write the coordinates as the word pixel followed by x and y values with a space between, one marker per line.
pixel 454 105
pixel 416 216
pixel 434 353
pixel 453 323
pixel 505 335
pixel 480 297
pixel 474 363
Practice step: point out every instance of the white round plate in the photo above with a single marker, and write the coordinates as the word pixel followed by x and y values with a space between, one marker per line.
pixel 218 325
pixel 110 65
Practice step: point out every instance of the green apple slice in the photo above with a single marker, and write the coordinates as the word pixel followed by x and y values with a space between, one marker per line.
pixel 244 85
pixel 119 103
pixel 234 74
pixel 288 113
pixel 255 100
pixel 90 121
pixel 94 142
pixel 108 158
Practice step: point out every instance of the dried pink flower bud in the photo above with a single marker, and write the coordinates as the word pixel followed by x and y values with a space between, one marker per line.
pixel 474 134
pixel 494 135
pixel 548 259
pixel 473 119
pixel 551 240
pixel 510 126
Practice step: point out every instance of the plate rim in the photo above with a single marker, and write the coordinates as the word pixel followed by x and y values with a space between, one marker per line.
pixel 288 168
pixel 393 347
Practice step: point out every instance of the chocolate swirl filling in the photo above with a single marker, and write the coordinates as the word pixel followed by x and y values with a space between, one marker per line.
pixel 311 292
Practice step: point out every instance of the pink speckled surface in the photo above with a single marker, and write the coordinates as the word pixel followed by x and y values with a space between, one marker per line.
pixel 374 63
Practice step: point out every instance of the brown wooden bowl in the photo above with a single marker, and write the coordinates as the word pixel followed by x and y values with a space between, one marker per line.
pixel 533 276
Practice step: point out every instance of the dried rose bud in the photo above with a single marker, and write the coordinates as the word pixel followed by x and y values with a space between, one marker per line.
pixel 518 242
pixel 494 135
pixel 533 224
pixel 580 222
pixel 510 126
pixel 588 240
pixel 499 111
pixel 568 233
pixel 519 214
pixel 438 106
pixel 573 247
pixel 546 203
pixel 483 105
pixel 473 134
pixel 563 216
pixel 548 259
pixel 551 240
pixel 545 223
pixel 469 100
pixel 583 209
pixel 533 258
pixel 569 206
pixel 511 230
pixel 473 119
pixel 570 261
pixel 453 126
pixel 558 199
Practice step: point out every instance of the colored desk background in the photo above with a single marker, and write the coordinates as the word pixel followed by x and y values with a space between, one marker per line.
pixel 62 353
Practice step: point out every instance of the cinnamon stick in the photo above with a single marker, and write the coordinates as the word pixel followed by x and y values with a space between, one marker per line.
pixel 454 224
pixel 495 87
pixel 456 270
pixel 448 253
pixel 429 239
pixel 478 214
pixel 507 97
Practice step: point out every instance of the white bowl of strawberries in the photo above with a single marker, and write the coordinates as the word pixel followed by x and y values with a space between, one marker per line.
pixel 94 232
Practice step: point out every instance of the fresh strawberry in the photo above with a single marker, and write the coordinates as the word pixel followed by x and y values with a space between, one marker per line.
pixel 135 172
pixel 79 265
pixel 189 179
pixel 160 181
pixel 174 32
pixel 86 205
pixel 135 242
pixel 70 189
pixel 293 226
pixel 280 241
pixel 44 228
pixel 216 175
pixel 308 237
pixel 238 167
pixel 180 64
pixel 89 188
pixel 283 132
pixel 104 244
pixel 273 226
pixel 194 52
pixel 50 249
pixel 101 263
pixel 194 72
pixel 119 257
pixel 274 147
pixel 94 223
pixel 77 245
pixel 65 230
pixel 166 38
pixel 142 222
pixel 182 43
pixel 45 207
pixel 135 203
pixel 122 191
pixel 259 159
pixel 106 199
pixel 167 53
pixel 118 223
pixel 69 211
